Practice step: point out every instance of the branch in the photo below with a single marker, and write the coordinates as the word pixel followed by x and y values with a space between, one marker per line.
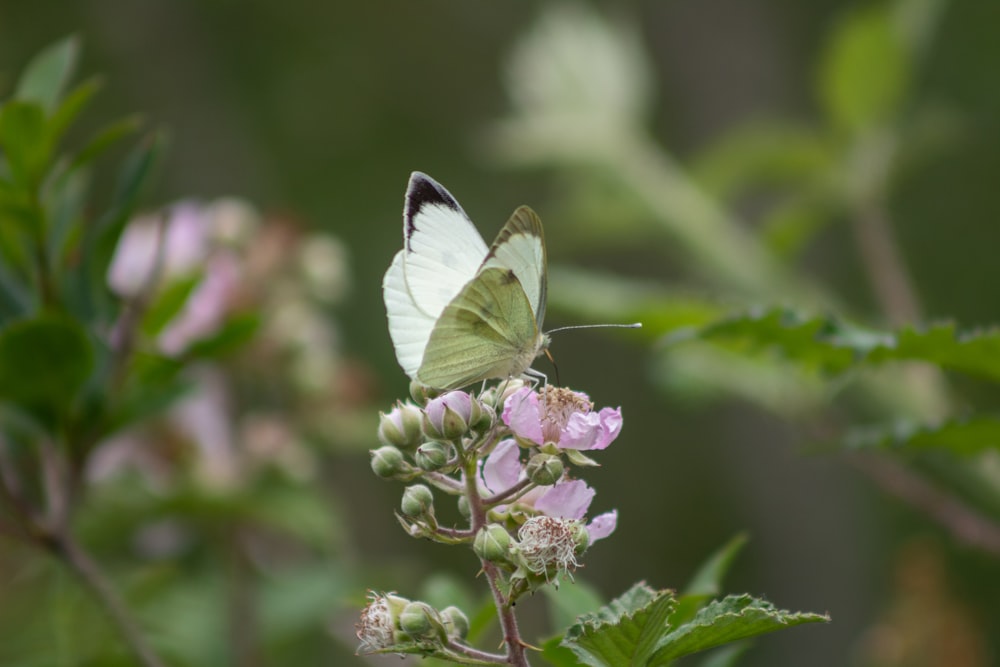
pixel 965 524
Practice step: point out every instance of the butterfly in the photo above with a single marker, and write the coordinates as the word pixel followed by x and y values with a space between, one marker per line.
pixel 460 312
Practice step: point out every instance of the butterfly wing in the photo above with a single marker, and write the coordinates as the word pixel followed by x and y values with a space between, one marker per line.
pixel 520 247
pixel 442 252
pixel 487 331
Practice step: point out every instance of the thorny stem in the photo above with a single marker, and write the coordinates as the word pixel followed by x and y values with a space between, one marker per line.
pixel 508 622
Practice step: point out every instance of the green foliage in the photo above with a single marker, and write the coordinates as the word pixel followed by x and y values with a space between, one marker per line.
pixel 637 628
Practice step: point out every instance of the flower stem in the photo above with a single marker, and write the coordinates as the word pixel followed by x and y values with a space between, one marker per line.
pixel 508 622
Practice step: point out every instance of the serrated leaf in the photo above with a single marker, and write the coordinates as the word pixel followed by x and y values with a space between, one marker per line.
pixel 731 619
pixel 967 436
pixel 557 655
pixel 44 362
pixel 865 70
pixel 46 75
pixel 568 602
pixel 624 632
pixel 832 345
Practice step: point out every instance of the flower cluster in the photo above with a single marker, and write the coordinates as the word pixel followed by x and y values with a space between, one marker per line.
pixel 508 457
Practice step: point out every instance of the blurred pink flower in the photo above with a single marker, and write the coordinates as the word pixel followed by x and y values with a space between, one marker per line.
pixel 562 417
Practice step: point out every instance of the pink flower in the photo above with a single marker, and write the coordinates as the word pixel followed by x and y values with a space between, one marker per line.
pixel 566 499
pixel 562 417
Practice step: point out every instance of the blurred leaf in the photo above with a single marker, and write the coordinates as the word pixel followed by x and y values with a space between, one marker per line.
pixel 105 139
pixel 296 599
pixel 762 154
pixel 44 361
pixel 25 141
pixel 865 70
pixel 976 353
pixel 960 436
pixel 625 632
pixel 708 579
pixel 733 618
pixel 727 656
pixel 237 330
pixel 72 105
pixel 568 602
pixel 47 74
pixel 168 303
pixel 605 298
pixel 791 223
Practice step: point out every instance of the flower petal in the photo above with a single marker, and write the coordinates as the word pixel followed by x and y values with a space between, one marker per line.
pixel 522 413
pixel 603 525
pixel 566 500
pixel 502 468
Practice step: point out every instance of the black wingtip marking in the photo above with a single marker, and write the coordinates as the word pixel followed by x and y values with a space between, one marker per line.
pixel 424 191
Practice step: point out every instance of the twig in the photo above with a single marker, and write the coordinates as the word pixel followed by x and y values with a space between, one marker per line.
pixel 93 579
pixel 884 265
pixel 964 523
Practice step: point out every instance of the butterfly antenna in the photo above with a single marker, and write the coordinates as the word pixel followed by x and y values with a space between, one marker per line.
pixel 634 325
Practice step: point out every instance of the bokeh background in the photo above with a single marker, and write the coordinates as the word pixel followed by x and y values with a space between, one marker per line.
pixel 316 113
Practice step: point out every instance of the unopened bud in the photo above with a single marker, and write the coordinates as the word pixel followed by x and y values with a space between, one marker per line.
pixel 544 469
pixel 421 394
pixel 463 507
pixel 447 417
pixel 388 461
pixel 492 543
pixel 481 417
pixel 432 455
pixel 419 620
pixel 456 623
pixel 581 536
pixel 418 500
pixel 402 427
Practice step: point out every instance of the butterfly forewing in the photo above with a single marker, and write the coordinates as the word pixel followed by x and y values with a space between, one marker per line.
pixel 442 249
pixel 487 331
pixel 520 247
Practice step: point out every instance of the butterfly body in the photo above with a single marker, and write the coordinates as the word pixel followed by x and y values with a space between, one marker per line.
pixel 460 312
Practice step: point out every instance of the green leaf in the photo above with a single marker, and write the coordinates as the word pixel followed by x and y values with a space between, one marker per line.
pixel 708 579
pixel 72 105
pixel 105 139
pixel 168 304
pixel 44 362
pixel 625 632
pixel 554 653
pixel 25 141
pixel 973 352
pixel 47 74
pixel 568 602
pixel 965 437
pixel 734 618
pixel 865 70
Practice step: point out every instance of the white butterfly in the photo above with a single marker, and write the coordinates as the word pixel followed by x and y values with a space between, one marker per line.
pixel 460 312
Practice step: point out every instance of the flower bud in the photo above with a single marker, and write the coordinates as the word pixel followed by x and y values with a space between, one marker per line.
pixel 388 461
pixel 419 620
pixel 402 427
pixel 447 417
pixel 582 537
pixel 492 543
pixel 456 623
pixel 421 394
pixel 463 507
pixel 418 500
pixel 544 469
pixel 432 455
pixel 482 416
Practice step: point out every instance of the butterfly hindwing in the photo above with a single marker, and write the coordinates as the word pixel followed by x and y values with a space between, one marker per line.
pixel 520 247
pixel 487 331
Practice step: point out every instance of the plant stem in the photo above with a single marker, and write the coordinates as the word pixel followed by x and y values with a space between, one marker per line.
pixel 516 655
pixel 90 575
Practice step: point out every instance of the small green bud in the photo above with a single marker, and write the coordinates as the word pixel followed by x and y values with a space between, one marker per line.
pixel 432 455
pixel 544 469
pixel 456 623
pixel 421 394
pixel 401 427
pixel 481 417
pixel 492 543
pixel 463 507
pixel 581 536
pixel 418 500
pixel 419 620
pixel 388 461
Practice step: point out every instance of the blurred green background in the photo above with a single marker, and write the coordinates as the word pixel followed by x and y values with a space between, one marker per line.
pixel 319 111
